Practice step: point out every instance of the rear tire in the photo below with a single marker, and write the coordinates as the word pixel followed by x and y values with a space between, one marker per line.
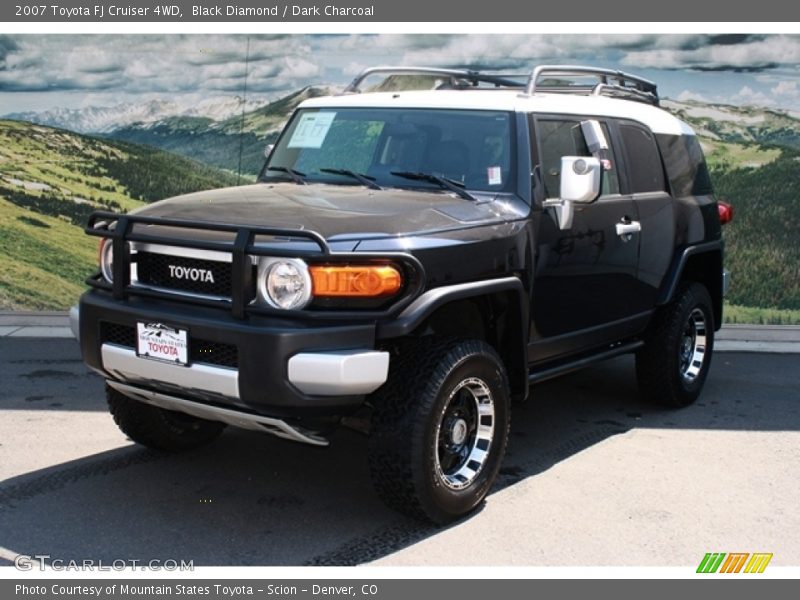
pixel 440 428
pixel 673 365
pixel 157 428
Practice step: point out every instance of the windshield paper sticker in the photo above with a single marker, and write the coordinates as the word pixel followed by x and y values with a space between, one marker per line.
pixel 312 129
pixel 494 175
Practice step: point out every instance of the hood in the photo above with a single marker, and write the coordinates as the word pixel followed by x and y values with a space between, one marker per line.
pixel 337 212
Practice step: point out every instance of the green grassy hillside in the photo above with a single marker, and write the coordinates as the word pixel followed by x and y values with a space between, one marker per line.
pixel 50 181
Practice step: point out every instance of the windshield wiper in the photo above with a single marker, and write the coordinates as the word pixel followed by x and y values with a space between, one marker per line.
pixel 443 182
pixel 364 180
pixel 296 176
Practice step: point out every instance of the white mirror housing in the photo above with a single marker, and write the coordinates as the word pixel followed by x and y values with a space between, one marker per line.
pixel 579 183
pixel 580 178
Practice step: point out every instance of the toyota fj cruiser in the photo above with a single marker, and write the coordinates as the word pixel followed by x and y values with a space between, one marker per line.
pixel 423 256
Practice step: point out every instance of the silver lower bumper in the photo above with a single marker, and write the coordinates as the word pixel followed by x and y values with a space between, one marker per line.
pixel 236 418
pixel 346 373
pixel 167 385
pixel 202 381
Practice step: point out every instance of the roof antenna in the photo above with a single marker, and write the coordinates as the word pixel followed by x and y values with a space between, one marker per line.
pixel 244 104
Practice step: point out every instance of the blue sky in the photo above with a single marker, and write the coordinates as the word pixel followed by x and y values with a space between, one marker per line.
pixel 39 72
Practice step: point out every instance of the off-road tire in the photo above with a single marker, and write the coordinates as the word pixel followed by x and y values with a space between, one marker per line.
pixel 660 369
pixel 157 428
pixel 427 381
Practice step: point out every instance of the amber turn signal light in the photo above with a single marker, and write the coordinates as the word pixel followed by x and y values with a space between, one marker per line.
pixel 370 281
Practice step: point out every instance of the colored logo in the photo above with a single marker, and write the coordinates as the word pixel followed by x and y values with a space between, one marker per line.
pixel 734 562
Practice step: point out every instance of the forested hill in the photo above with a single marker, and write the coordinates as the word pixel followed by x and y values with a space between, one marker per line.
pixel 763 241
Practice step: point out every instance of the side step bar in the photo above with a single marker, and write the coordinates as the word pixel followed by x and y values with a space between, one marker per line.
pixel 236 418
pixel 565 368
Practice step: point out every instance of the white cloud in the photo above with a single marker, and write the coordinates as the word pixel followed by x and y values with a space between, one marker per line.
pixel 687 95
pixel 136 67
pixel 353 68
pixel 753 54
pixel 152 63
pixel 747 95
pixel 521 52
pixel 786 88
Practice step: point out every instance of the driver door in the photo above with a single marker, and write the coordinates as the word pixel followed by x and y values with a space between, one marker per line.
pixel 585 276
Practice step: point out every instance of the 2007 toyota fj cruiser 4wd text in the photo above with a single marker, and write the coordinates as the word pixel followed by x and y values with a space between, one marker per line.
pixel 426 256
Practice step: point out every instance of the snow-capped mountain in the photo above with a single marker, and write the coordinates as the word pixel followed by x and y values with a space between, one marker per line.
pixel 228 143
pixel 104 119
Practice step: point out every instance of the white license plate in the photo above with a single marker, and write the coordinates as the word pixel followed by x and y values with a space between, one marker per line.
pixel 162 342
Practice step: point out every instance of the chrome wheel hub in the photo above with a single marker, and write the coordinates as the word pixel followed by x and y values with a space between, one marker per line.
pixel 458 432
pixel 692 350
pixel 464 433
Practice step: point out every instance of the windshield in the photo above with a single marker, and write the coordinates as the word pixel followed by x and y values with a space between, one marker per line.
pixel 469 147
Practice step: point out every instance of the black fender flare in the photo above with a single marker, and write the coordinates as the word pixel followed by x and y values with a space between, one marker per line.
pixel 427 303
pixel 673 277
pixel 675 274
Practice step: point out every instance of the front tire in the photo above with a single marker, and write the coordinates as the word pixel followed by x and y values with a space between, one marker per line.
pixel 157 428
pixel 673 365
pixel 440 428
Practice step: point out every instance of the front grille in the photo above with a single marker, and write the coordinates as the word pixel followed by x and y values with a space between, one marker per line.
pixel 121 335
pixel 189 275
pixel 200 350
pixel 214 353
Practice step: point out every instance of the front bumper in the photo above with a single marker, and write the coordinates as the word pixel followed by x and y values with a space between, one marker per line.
pixel 283 368
pixel 74 321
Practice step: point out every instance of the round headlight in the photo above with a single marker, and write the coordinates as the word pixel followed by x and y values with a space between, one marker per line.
pixel 287 284
pixel 107 260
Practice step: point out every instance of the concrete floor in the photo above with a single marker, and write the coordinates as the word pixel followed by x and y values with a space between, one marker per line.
pixel 593 476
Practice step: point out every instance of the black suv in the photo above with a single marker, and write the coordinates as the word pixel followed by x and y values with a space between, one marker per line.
pixel 422 257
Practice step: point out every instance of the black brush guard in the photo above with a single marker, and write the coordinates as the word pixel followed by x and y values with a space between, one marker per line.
pixel 119 228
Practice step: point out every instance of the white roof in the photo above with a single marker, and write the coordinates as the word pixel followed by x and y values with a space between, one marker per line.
pixel 657 119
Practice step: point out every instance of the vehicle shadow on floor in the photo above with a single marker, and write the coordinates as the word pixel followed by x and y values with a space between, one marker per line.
pixel 249 499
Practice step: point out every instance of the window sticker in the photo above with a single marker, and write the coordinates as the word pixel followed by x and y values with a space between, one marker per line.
pixel 312 129
pixel 494 175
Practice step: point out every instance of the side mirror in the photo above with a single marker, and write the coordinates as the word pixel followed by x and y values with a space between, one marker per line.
pixel 268 149
pixel 579 183
pixel 580 178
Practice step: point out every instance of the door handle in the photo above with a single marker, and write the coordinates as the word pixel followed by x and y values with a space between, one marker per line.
pixel 627 228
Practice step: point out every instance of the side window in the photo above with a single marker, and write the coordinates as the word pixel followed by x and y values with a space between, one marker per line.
pixel 559 138
pixel 645 173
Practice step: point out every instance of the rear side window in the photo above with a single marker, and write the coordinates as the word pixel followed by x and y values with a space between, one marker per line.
pixel 645 173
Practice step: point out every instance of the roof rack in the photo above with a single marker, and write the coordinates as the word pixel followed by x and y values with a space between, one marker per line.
pixel 608 81
pixel 458 78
